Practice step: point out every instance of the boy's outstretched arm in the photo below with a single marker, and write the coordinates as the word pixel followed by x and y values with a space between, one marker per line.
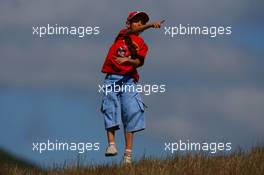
pixel 145 27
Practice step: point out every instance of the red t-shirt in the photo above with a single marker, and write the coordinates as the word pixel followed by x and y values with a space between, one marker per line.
pixel 119 48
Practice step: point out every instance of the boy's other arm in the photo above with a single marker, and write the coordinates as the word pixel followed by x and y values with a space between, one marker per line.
pixel 127 60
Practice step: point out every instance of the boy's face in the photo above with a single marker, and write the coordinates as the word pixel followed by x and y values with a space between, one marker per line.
pixel 137 21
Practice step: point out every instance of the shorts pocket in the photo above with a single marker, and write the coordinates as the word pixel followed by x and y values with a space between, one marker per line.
pixel 108 104
pixel 104 105
pixel 141 104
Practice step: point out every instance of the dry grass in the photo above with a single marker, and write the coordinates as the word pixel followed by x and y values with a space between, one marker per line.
pixel 239 163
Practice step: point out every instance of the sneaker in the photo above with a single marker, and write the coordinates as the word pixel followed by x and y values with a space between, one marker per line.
pixel 111 150
pixel 127 159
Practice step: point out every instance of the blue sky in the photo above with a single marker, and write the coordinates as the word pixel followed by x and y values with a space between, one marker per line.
pixel 48 86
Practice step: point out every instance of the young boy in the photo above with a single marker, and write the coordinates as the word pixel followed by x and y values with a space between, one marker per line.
pixel 124 57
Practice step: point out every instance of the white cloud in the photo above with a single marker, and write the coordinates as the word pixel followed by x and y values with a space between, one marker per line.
pixel 51 64
pixel 172 126
pixel 232 112
pixel 200 58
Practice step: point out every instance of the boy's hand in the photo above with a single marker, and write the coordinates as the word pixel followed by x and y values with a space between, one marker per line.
pixel 157 24
pixel 121 60
pixel 127 60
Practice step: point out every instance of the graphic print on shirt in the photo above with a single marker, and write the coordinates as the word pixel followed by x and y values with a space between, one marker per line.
pixel 123 50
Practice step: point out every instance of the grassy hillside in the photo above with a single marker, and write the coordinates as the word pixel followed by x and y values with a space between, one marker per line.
pixel 10 164
pixel 239 163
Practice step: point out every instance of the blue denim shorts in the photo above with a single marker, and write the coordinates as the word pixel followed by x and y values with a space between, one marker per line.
pixel 122 106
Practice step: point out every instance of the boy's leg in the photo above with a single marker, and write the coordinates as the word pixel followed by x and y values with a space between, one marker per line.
pixel 128 148
pixel 110 136
pixel 111 149
pixel 133 120
pixel 129 140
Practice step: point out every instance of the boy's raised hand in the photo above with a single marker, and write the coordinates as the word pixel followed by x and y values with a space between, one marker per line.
pixel 157 24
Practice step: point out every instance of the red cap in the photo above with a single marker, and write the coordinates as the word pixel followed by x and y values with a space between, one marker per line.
pixel 136 13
